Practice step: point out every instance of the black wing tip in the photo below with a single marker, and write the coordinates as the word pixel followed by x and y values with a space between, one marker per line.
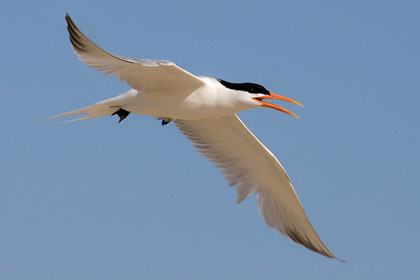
pixel 70 24
pixel 302 240
pixel 75 35
pixel 68 18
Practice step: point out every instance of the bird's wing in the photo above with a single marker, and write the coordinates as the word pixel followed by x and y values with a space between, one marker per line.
pixel 253 169
pixel 142 74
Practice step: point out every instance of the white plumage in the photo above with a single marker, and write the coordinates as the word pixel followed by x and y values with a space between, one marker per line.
pixel 204 109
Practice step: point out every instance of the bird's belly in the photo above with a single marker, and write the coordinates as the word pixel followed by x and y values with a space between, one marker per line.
pixel 188 107
pixel 181 112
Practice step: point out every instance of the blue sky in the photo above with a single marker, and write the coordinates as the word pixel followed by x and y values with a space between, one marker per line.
pixel 102 200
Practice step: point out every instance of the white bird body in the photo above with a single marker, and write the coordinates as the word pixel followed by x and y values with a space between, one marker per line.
pixel 204 109
pixel 211 100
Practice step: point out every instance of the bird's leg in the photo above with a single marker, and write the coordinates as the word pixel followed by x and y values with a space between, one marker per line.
pixel 121 113
pixel 165 121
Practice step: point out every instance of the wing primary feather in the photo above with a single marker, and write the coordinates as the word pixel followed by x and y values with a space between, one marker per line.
pixel 142 74
pixel 252 169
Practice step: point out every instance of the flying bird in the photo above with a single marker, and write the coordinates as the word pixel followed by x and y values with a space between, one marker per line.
pixel 204 110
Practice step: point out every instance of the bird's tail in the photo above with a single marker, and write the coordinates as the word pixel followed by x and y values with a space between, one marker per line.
pixel 100 109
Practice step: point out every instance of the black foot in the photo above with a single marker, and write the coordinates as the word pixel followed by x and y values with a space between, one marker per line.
pixel 165 121
pixel 122 114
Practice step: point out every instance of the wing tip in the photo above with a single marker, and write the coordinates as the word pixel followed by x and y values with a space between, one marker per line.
pixel 78 40
pixel 315 245
pixel 68 18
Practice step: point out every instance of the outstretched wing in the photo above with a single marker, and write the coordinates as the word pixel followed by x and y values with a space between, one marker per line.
pixel 253 169
pixel 142 74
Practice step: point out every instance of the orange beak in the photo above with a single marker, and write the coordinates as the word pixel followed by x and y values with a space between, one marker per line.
pixel 278 108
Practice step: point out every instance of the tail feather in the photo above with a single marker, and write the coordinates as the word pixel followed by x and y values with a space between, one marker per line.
pixel 102 108
pixel 94 111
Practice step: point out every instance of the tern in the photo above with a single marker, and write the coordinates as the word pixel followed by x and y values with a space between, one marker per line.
pixel 204 110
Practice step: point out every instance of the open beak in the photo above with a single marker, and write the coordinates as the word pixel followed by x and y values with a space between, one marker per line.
pixel 278 108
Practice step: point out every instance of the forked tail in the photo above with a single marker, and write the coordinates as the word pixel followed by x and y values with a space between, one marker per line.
pixel 103 108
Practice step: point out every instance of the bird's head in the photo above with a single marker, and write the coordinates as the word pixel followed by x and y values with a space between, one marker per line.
pixel 258 93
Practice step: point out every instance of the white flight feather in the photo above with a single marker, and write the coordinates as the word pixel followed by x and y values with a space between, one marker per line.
pixel 141 74
pixel 253 169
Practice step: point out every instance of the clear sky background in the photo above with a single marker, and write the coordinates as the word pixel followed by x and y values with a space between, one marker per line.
pixel 102 200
